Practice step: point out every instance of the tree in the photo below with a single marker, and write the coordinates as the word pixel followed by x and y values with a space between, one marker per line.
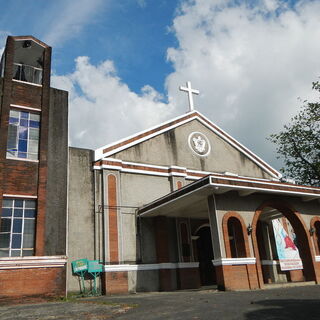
pixel 299 144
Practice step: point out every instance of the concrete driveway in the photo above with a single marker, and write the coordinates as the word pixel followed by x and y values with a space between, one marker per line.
pixel 285 303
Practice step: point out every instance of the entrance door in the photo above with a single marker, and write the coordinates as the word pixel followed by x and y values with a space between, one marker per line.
pixel 205 256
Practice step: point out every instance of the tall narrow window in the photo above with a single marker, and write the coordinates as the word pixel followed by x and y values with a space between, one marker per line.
pixel 23 135
pixel 17 228
pixel 317 235
pixel 236 239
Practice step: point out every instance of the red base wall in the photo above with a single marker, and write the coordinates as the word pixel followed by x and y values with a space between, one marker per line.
pixel 32 282
pixel 114 282
pixel 237 277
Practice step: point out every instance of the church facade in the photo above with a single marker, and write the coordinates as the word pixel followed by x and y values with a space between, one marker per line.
pixel 184 205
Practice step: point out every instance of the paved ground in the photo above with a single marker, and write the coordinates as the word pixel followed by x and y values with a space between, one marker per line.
pixel 280 304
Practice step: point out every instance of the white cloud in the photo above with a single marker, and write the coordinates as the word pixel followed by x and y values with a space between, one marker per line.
pixel 103 108
pixel 249 63
pixel 66 18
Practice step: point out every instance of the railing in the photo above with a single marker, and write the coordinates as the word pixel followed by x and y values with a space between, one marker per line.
pixel 27 73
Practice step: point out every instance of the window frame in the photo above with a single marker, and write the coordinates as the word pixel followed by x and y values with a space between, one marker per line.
pixel 18 218
pixel 25 127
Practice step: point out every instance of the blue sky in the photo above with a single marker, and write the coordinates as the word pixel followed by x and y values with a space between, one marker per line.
pixel 123 62
pixel 134 34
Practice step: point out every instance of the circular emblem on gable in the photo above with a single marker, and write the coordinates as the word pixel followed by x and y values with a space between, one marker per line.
pixel 199 144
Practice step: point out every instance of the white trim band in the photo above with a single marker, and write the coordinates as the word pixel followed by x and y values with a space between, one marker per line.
pixel 24 107
pixel 270 262
pixel 18 196
pixel 154 266
pixel 317 258
pixel 233 261
pixel 32 262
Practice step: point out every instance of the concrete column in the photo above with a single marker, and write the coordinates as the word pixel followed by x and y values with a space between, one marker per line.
pixel 214 226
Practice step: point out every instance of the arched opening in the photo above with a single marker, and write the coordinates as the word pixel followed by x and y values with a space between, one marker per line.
pixel 205 256
pixel 281 245
pixel 317 237
pixel 236 239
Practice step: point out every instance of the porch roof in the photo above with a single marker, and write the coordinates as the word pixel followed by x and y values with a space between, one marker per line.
pixel 190 201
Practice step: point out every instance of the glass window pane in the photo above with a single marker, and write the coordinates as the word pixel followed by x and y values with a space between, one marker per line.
pixel 29 226
pixel 11 154
pixel 18 203
pixel 4 253
pixel 24 122
pixel 14 113
pixel 12 137
pixel 33 133
pixel 23 145
pixel 16 71
pixel 34 124
pixel 24 115
pixel 6 212
pixel 37 76
pixel 4 240
pixel 18 212
pixel 8 203
pixel 16 241
pixel 15 253
pixel 17 226
pixel 28 73
pixel 13 120
pixel 33 146
pixel 23 133
pixel 30 204
pixel 33 156
pixel 30 213
pixel 22 155
pixel 5 225
pixel 35 116
pixel 27 253
pixel 28 241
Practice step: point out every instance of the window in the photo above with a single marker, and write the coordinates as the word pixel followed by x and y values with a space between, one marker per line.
pixel 236 239
pixel 17 227
pixel 23 135
pixel 27 73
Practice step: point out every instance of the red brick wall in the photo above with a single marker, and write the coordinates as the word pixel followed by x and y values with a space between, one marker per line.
pixel 236 277
pixel 21 177
pixel 39 281
pixel 115 282
pixel 113 219
pixel 26 95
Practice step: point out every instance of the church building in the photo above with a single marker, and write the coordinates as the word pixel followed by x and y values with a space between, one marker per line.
pixel 180 205
pixel 184 205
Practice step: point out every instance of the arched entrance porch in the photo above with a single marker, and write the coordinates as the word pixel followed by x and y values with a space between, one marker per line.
pixel 265 249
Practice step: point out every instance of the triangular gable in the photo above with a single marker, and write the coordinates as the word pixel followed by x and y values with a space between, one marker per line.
pixel 128 142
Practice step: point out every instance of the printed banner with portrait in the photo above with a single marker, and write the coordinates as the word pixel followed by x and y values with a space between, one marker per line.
pixel 288 253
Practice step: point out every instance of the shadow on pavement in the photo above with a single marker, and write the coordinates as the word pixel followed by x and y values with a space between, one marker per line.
pixel 285 309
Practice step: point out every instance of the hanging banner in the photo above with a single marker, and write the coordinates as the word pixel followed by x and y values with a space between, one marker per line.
pixel 288 252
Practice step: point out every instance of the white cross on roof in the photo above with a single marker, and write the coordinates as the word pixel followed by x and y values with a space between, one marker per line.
pixel 190 92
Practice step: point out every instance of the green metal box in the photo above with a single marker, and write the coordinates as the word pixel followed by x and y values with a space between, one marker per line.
pixel 80 265
pixel 94 266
